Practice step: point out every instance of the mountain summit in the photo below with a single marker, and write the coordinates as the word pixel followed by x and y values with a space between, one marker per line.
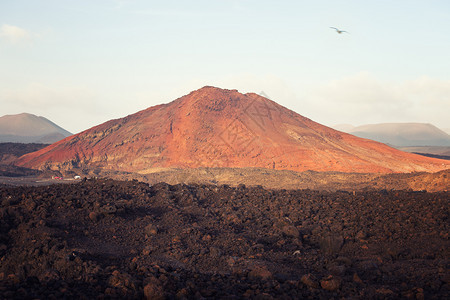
pixel 213 127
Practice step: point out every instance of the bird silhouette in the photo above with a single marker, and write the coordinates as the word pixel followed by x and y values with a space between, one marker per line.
pixel 339 31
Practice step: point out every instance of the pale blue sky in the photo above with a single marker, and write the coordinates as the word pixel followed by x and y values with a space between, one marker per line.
pixel 80 63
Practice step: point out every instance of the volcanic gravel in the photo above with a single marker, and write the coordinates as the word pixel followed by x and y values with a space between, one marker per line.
pixel 105 239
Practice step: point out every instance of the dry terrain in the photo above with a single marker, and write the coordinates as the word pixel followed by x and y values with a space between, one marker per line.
pixel 109 239
pixel 271 179
pixel 10 152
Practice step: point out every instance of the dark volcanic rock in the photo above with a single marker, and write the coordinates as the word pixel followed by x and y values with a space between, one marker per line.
pixel 111 239
pixel 11 151
pixel 310 281
pixel 330 283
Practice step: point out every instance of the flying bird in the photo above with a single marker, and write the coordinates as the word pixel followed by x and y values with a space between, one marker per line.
pixel 338 31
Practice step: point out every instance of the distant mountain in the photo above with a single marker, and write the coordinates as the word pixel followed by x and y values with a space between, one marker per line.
pixel 344 127
pixel 219 128
pixel 28 128
pixel 435 150
pixel 400 134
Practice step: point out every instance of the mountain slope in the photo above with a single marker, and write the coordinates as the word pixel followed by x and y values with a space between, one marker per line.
pixel 212 127
pixel 401 134
pixel 28 128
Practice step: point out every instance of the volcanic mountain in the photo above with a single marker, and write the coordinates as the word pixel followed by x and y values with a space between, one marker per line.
pixel 213 127
pixel 29 128
pixel 400 134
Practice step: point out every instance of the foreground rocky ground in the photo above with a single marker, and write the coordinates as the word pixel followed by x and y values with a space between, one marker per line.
pixel 102 239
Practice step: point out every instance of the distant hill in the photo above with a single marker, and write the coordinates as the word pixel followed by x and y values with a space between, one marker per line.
pixel 28 128
pixel 434 150
pixel 400 134
pixel 344 127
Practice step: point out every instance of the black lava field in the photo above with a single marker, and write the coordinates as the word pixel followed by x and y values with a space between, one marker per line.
pixel 105 239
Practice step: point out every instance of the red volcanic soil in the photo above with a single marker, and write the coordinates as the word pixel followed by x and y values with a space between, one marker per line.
pixel 213 127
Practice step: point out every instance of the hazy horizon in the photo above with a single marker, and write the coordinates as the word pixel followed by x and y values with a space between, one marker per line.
pixel 82 63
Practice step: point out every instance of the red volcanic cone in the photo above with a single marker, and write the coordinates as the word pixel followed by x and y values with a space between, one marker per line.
pixel 213 127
